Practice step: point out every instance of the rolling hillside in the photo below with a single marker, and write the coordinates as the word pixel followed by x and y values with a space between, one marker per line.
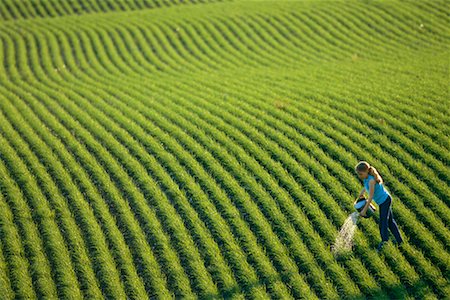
pixel 196 149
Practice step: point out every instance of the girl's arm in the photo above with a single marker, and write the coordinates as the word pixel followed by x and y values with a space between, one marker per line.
pixel 371 191
pixel 362 193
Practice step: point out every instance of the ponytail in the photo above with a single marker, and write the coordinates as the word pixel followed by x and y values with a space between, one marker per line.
pixel 375 174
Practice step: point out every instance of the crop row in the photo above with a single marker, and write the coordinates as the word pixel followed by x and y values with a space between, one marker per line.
pixel 13 10
pixel 181 185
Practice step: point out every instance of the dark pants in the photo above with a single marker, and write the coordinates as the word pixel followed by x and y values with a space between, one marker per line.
pixel 387 221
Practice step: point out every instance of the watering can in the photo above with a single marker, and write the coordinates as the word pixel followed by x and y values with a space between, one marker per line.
pixel 359 205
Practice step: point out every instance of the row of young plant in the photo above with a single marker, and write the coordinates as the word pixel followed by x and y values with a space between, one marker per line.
pixel 48 251
pixel 11 10
pixel 85 76
pixel 16 267
pixel 183 58
pixel 327 149
pixel 94 199
pixel 340 193
pixel 5 284
pixel 54 245
pixel 146 258
pixel 435 199
pixel 73 240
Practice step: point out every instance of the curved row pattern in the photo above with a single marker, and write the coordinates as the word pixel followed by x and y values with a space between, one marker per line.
pixel 207 150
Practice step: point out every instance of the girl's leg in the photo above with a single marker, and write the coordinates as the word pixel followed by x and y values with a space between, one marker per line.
pixel 393 227
pixel 384 219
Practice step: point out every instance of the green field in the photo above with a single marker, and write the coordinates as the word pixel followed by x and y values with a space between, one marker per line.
pixel 195 149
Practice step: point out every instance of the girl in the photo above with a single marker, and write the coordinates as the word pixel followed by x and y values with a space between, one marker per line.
pixel 373 184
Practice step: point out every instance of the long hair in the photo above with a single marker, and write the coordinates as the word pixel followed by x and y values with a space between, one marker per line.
pixel 364 166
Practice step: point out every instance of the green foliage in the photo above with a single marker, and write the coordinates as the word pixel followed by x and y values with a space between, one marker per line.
pixel 206 149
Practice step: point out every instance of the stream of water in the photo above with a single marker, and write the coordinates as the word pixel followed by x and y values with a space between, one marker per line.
pixel 344 240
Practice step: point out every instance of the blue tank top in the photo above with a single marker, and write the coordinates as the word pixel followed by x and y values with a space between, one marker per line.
pixel 380 194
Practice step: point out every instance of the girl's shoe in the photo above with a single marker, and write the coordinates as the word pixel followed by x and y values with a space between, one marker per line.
pixel 380 246
pixel 398 244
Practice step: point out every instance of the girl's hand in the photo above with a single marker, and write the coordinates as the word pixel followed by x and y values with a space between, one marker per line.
pixel 363 211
